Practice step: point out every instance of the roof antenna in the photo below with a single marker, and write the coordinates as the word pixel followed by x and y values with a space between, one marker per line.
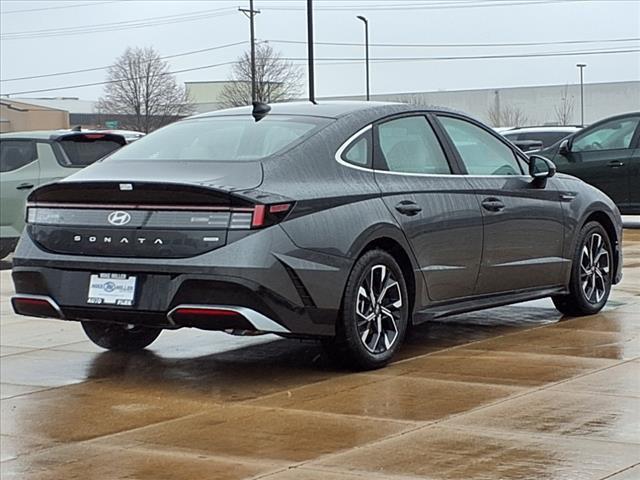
pixel 77 128
pixel 260 110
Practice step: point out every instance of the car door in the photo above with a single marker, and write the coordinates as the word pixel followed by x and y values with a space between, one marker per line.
pixel 601 156
pixel 19 174
pixel 523 221
pixel 437 210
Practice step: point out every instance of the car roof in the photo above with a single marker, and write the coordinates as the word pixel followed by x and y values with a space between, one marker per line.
pixel 329 109
pixel 567 129
pixel 50 134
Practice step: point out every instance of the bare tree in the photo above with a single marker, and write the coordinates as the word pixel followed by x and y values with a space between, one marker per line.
pixel 277 80
pixel 141 90
pixel 507 116
pixel 564 110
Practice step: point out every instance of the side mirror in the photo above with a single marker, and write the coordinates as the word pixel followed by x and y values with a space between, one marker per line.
pixel 541 167
pixel 565 147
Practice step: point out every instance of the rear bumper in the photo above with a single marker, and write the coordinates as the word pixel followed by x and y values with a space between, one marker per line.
pixel 281 290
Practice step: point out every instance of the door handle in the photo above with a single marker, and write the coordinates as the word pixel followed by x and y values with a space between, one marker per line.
pixel 615 164
pixel 492 204
pixel 408 208
pixel 24 186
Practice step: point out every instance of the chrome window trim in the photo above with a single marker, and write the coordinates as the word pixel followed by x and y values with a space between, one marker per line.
pixel 347 143
pixel 343 147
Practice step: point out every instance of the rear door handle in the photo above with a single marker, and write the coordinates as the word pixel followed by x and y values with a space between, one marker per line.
pixel 615 164
pixel 408 208
pixel 492 204
pixel 24 186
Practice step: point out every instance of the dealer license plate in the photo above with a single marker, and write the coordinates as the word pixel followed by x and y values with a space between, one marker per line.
pixel 111 289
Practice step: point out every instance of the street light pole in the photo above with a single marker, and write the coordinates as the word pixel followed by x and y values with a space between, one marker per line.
pixel 366 46
pixel 581 67
pixel 251 13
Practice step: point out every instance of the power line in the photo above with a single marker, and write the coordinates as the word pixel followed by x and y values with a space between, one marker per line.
pixel 345 60
pixel 75 5
pixel 425 6
pixel 183 54
pixel 467 45
pixel 115 26
pixel 116 81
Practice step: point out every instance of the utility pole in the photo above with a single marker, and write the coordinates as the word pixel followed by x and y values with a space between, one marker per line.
pixel 250 14
pixel 581 67
pixel 366 50
pixel 312 88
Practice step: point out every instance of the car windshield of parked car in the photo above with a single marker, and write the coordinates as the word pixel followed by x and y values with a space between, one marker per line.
pixel 222 138
pixel 612 135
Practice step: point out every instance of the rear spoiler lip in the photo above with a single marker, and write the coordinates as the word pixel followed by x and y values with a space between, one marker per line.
pixel 251 195
pixel 57 137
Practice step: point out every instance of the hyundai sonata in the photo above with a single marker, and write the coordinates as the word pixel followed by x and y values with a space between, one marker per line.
pixel 346 221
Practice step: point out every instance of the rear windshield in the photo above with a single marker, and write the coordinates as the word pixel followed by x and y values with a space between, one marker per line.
pixel 222 138
pixel 83 150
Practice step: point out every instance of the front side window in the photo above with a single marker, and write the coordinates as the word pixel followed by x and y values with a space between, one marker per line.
pixel 612 135
pixel 409 145
pixel 481 152
pixel 231 138
pixel 15 154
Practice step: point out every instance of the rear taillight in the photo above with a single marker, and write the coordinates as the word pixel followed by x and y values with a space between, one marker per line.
pixel 267 215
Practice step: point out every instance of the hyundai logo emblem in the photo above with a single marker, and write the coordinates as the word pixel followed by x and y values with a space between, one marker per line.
pixel 119 218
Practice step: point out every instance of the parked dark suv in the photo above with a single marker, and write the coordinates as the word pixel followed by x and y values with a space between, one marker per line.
pixel 606 155
pixel 345 221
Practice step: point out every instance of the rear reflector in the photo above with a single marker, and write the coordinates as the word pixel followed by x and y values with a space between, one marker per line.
pixel 35 306
pixel 209 318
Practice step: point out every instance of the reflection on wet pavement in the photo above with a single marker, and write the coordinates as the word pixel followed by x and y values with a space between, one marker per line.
pixel 516 392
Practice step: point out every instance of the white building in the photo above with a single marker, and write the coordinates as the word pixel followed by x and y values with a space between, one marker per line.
pixel 538 105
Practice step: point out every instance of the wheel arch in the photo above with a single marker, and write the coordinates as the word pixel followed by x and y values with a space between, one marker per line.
pixel 607 223
pixel 403 256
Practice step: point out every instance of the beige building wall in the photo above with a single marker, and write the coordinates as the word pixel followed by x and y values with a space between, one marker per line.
pixel 20 116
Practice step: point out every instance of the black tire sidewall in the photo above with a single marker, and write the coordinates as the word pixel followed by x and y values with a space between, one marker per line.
pixel 360 355
pixel 112 336
pixel 579 298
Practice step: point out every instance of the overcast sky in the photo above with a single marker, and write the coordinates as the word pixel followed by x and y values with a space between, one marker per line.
pixel 44 37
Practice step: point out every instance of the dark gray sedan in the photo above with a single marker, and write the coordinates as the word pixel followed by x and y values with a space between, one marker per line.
pixel 340 221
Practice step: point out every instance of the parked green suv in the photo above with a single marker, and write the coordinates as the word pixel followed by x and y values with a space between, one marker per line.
pixel 29 159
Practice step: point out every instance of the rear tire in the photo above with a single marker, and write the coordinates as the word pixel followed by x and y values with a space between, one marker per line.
pixel 374 315
pixel 591 273
pixel 120 337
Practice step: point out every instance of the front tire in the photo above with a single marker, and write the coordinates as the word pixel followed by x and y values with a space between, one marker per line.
pixel 120 337
pixel 591 273
pixel 374 315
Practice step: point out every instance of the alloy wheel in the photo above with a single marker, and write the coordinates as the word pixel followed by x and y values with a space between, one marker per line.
pixel 378 309
pixel 594 268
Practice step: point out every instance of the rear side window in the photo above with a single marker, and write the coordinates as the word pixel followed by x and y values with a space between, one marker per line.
pixel 409 145
pixel 232 138
pixel 83 150
pixel 15 154
pixel 358 152
pixel 481 152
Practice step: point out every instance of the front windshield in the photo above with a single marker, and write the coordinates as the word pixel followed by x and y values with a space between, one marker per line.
pixel 231 138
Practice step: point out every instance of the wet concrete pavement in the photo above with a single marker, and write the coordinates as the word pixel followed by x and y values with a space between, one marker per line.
pixel 515 393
